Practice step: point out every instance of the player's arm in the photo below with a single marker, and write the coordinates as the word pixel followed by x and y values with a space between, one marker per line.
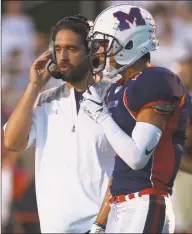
pixel 137 149
pixel 101 220
pixel 19 124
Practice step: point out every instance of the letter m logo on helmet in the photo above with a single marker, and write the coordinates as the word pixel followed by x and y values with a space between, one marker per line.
pixel 126 18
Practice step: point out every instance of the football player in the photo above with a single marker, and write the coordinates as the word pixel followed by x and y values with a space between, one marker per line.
pixel 144 118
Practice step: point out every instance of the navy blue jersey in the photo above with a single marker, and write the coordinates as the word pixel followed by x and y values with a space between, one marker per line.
pixel 155 85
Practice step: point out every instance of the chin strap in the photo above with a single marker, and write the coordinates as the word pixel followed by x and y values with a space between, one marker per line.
pixel 111 74
pixel 115 72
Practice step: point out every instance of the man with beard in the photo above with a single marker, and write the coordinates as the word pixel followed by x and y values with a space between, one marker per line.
pixel 73 157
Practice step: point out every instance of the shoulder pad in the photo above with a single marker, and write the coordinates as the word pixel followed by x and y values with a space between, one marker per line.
pixel 153 85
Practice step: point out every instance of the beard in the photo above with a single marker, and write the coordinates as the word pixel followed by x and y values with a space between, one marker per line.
pixel 76 74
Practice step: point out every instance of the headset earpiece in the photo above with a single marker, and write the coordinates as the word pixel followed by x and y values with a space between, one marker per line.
pixel 51 48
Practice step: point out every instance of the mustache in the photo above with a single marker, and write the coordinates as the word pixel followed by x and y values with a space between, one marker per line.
pixel 64 64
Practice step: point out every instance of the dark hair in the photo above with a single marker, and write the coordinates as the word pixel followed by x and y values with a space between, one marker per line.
pixel 77 24
pixel 146 57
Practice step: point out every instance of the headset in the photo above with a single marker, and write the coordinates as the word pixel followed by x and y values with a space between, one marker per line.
pixel 52 63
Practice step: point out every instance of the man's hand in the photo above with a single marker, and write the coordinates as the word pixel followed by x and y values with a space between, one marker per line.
pixel 38 73
pixel 94 106
pixel 97 228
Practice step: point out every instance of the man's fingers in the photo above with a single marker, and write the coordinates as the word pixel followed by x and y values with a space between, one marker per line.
pixel 45 55
pixel 41 61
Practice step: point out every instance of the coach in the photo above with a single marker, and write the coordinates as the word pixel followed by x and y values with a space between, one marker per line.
pixel 73 158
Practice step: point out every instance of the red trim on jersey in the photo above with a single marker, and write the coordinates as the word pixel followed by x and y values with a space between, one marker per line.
pixel 182 103
pixel 151 104
pixel 126 103
pixel 163 162
pixel 164 155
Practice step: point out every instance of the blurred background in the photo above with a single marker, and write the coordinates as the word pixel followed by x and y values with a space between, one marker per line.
pixel 25 31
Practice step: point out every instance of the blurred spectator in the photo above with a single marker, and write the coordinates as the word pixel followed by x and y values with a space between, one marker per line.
pixel 17 32
pixel 184 69
pixel 145 4
pixel 171 49
pixel 41 43
pixel 17 54
pixel 15 76
pixel 19 207
pixel 7 186
pixel 182 24
pixel 18 51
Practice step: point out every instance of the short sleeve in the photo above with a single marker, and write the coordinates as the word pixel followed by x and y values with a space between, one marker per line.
pixel 155 85
pixel 32 134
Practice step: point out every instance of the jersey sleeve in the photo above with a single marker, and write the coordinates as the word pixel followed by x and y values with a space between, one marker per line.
pixel 32 134
pixel 156 88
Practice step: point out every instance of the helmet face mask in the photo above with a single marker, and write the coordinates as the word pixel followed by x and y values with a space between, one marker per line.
pixel 101 47
pixel 130 32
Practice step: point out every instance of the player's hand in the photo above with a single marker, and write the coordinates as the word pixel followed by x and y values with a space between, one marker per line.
pixel 38 73
pixel 97 228
pixel 94 106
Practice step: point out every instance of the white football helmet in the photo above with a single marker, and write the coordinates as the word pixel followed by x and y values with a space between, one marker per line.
pixel 126 32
